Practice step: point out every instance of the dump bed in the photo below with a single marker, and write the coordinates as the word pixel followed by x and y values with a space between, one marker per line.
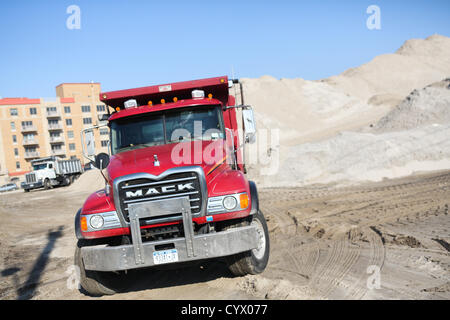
pixel 72 166
pixel 218 87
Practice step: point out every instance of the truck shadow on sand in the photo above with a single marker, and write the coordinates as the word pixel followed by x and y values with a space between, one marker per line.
pixel 28 289
pixel 168 276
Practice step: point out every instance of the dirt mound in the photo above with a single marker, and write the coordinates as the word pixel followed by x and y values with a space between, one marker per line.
pixel 362 124
pixel 428 106
pixel 91 180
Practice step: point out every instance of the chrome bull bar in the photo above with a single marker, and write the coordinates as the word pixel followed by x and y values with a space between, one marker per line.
pixel 155 209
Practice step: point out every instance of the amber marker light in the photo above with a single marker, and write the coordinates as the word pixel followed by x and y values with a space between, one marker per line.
pixel 175 99
pixel 163 101
pixel 150 103
pixel 117 109
pixel 243 199
pixel 210 96
pixel 83 224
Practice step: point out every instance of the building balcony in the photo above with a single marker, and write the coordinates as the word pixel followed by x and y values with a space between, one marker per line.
pixel 31 155
pixel 25 129
pixel 58 152
pixel 53 114
pixel 56 140
pixel 55 127
pixel 30 142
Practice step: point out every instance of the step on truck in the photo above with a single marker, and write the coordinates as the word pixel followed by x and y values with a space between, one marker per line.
pixel 176 189
pixel 51 172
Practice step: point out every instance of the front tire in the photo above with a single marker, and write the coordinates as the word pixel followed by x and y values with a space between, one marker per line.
pixel 47 184
pixel 96 283
pixel 255 260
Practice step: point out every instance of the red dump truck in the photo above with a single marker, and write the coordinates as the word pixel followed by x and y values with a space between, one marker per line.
pixel 175 184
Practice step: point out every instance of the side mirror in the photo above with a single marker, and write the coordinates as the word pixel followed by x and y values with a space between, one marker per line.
pixel 101 161
pixel 248 120
pixel 90 143
pixel 103 117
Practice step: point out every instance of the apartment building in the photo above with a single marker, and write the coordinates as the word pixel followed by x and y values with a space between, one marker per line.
pixel 36 128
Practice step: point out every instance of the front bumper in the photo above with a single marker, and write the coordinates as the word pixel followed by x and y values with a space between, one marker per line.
pixel 33 185
pixel 191 247
pixel 212 245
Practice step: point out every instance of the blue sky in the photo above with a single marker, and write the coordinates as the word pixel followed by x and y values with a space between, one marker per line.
pixel 125 44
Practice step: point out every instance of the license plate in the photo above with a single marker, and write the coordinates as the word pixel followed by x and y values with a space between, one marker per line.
pixel 31 185
pixel 165 256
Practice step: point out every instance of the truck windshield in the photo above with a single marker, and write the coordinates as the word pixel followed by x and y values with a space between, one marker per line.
pixel 187 124
pixel 39 166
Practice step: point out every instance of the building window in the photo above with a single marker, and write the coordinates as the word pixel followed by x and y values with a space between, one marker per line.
pixel 16 152
pixel 72 146
pixel 26 124
pixel 86 108
pixel 101 108
pixel 33 111
pixel 67 109
pixel 51 109
pixel 104 143
pixel 13 112
pixel 28 137
pixel 104 131
pixel 17 165
pixel 87 120
pixel 69 122
pixel 14 137
pixel 70 134
pixel 13 126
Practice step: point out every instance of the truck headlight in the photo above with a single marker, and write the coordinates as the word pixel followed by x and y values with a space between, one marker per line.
pixel 96 222
pixel 229 203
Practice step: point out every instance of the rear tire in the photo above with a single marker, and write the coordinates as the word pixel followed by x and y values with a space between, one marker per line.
pixel 96 283
pixel 256 260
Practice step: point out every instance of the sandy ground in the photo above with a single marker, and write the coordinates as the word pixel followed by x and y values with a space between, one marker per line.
pixel 326 243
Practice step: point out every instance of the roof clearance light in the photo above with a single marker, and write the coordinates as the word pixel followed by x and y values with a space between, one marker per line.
pixel 132 103
pixel 175 99
pixel 198 94
pixel 210 96
pixel 150 103
pixel 117 109
pixel 163 101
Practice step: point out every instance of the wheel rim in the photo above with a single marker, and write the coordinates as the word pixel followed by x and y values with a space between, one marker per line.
pixel 259 251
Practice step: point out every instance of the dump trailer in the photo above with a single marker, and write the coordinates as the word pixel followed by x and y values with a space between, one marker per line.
pixel 51 172
pixel 176 189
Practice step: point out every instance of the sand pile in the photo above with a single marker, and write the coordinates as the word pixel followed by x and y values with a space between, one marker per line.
pixel 397 130
pixel 422 107
pixel 413 137
pixel 89 181
pixel 307 111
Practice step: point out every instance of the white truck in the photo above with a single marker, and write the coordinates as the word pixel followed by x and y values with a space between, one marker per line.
pixel 50 172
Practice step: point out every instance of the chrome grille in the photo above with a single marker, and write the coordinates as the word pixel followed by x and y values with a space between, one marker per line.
pixel 172 186
pixel 30 178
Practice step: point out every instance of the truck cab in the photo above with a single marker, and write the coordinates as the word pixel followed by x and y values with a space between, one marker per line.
pixel 175 184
